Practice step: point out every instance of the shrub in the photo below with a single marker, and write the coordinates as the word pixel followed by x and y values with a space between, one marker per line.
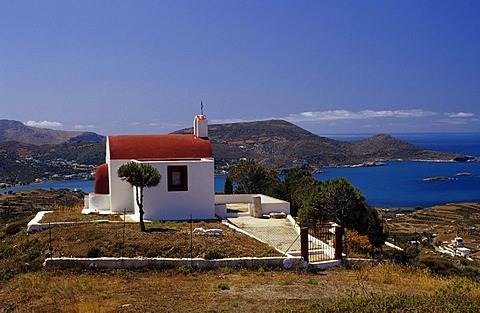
pixel 6 251
pixel 185 269
pixel 129 252
pixel 457 286
pixel 223 286
pixel 261 271
pixel 214 253
pixel 151 253
pixel 13 228
pixel 357 243
pixel 94 252
pixel 30 256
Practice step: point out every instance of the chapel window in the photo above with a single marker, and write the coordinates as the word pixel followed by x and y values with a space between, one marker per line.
pixel 177 178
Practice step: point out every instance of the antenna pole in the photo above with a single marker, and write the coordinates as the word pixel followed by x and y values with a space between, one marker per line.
pixel 201 107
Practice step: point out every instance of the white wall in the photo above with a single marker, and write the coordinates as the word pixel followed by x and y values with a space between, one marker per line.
pixel 269 204
pixel 160 204
pixel 120 191
pixel 99 202
pixel 271 207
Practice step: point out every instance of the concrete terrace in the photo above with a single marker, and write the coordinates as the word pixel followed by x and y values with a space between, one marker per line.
pixel 279 233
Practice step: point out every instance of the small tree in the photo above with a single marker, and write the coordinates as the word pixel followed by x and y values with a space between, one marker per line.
pixel 338 200
pixel 139 175
pixel 299 185
pixel 228 186
pixel 250 176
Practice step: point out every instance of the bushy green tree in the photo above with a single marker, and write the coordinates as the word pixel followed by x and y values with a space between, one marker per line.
pixel 251 177
pixel 140 176
pixel 344 201
pixel 299 185
pixel 273 185
pixel 338 200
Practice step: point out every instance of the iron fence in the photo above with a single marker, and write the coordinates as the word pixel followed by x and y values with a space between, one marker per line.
pixel 322 242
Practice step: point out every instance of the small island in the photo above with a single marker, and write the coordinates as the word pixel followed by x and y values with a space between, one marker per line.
pixel 463 174
pixel 438 178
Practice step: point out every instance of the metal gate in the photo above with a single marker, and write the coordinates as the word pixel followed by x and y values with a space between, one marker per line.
pixel 321 242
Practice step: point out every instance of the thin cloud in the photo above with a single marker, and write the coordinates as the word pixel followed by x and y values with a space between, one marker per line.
pixel 229 121
pixel 453 121
pixel 165 125
pixel 458 121
pixel 44 124
pixel 360 115
pixel 85 126
pixel 458 118
pixel 459 115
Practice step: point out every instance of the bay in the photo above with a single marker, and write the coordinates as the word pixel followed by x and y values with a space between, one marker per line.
pixel 84 185
pixel 401 184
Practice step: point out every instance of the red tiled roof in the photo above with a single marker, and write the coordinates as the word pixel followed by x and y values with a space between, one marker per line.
pixel 101 185
pixel 158 147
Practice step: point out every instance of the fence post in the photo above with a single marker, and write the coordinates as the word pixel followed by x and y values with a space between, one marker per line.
pixel 257 206
pixel 338 245
pixel 304 243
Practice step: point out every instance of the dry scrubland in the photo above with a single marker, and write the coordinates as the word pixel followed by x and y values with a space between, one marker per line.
pixel 27 287
pixel 380 288
pixel 442 223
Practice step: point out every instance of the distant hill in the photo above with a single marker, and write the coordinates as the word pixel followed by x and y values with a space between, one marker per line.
pixel 23 163
pixel 17 131
pixel 283 145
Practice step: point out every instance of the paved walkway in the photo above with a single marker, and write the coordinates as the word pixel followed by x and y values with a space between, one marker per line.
pixel 279 233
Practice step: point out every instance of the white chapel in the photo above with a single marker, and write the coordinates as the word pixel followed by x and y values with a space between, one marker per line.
pixel 185 162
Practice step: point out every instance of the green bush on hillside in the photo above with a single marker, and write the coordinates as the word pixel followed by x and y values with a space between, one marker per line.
pixel 13 228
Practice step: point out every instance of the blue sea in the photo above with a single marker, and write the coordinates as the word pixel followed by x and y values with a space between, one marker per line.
pixel 398 184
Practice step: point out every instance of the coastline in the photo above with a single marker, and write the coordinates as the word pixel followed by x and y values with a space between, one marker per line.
pixel 384 162
pixel 398 184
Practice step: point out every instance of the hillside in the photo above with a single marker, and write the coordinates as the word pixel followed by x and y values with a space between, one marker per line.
pixel 283 145
pixel 23 163
pixel 17 131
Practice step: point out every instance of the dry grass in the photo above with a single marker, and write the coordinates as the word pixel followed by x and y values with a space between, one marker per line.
pixel 398 277
pixel 163 239
pixel 18 206
pixel 244 290
pixel 27 287
pixel 171 240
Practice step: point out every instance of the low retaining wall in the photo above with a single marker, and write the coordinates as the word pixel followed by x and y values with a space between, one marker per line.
pixel 323 265
pixel 197 263
pixel 268 204
pixel 35 226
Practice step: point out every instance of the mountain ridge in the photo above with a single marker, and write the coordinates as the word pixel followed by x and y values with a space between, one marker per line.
pixel 11 130
pixel 283 145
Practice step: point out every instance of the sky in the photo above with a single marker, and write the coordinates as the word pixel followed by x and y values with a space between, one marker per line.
pixel 134 67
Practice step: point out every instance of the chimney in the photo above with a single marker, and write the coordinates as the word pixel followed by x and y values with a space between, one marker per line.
pixel 200 126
